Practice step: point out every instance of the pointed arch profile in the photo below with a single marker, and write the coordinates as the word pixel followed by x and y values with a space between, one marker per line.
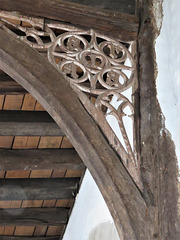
pixel 49 87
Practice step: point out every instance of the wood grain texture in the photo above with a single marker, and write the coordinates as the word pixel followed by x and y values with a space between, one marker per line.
pixel 50 142
pixel 13 102
pixel 54 230
pixel 124 6
pixel 54 93
pixel 58 173
pixel 40 159
pixel 41 173
pixel 16 204
pixel 117 24
pixel 17 174
pixel 62 203
pixel 40 230
pixel 37 188
pixel 5 204
pixel 28 123
pixel 28 103
pixel 10 87
pixel 6 141
pixel 73 173
pixel 22 142
pixel 158 158
pixel 24 230
pixel 38 107
pixel 9 230
pixel 34 216
pixel 66 143
pixel 49 203
pixel 31 203
pixel 1 102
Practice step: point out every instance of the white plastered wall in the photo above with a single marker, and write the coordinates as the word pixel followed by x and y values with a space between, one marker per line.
pixel 90 218
pixel 168 61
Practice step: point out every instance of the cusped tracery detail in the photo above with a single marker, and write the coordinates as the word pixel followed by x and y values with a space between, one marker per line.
pixel 119 112
pixel 100 66
pixel 104 60
pixel 97 65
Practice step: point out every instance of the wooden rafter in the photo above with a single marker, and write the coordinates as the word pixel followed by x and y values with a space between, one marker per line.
pixel 38 188
pixel 123 6
pixel 8 86
pixel 121 25
pixel 38 170
pixel 34 216
pixel 147 215
pixel 107 78
pixel 39 159
pixel 158 157
pixel 28 123
pixel 55 95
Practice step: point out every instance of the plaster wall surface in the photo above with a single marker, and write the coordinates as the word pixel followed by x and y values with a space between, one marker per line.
pixel 90 218
pixel 168 61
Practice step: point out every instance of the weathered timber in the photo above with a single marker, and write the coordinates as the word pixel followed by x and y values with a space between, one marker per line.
pixel 158 158
pixel 9 86
pixel 28 123
pixel 117 24
pixel 37 188
pixel 54 93
pixel 39 159
pixel 29 238
pixel 33 216
pixel 124 6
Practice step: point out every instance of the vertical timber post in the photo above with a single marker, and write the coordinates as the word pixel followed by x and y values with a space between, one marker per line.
pixel 158 158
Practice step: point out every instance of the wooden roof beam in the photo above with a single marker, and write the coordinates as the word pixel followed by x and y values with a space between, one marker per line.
pixel 37 188
pixel 117 24
pixel 39 159
pixel 33 216
pixel 28 123
pixel 9 86
pixel 53 92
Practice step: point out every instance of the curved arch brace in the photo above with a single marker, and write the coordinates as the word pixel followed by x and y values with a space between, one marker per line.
pixel 53 92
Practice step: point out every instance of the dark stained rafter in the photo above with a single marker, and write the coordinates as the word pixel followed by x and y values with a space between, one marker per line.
pixel 38 188
pixel 53 92
pixel 39 159
pixel 8 86
pixel 120 25
pixel 28 123
pixel 124 6
pixel 151 214
pixel 33 216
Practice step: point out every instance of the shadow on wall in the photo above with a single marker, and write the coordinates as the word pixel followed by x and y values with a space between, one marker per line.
pixel 104 231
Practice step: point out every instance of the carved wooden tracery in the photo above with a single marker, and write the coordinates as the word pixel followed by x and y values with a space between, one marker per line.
pixel 109 59
pixel 96 66
pixel 146 214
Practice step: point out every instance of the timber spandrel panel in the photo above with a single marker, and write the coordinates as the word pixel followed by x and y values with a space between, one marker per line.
pixel 96 66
